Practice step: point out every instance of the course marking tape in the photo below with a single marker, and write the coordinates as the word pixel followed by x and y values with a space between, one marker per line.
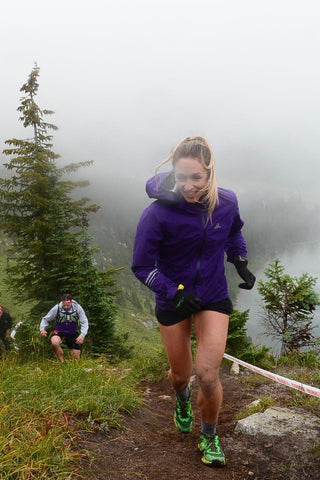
pixel 277 378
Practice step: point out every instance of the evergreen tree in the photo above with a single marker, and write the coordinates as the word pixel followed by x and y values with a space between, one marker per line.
pixel 239 344
pixel 289 303
pixel 237 341
pixel 48 228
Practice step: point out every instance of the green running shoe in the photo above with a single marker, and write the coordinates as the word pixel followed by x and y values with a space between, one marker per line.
pixel 183 416
pixel 213 454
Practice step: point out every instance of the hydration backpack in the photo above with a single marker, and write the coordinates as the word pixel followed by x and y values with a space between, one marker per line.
pixel 67 316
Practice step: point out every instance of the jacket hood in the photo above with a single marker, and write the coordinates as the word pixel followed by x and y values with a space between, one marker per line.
pixel 162 187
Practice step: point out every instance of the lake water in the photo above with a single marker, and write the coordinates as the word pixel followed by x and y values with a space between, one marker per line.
pixel 302 259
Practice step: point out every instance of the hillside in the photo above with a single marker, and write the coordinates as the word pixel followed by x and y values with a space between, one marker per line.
pixel 148 447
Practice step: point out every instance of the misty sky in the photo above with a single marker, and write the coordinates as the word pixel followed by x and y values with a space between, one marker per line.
pixel 128 79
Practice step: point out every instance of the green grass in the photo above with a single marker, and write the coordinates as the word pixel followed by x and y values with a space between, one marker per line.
pixel 293 398
pixel 263 403
pixel 142 328
pixel 45 405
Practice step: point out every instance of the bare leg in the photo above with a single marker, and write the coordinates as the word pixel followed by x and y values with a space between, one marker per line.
pixel 177 344
pixel 211 332
pixel 56 345
pixel 75 354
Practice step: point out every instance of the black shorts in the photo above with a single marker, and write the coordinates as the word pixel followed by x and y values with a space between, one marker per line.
pixel 169 317
pixel 69 339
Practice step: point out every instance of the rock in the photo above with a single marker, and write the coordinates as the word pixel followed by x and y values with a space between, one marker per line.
pixel 255 403
pixel 280 421
pixel 165 397
pixel 235 369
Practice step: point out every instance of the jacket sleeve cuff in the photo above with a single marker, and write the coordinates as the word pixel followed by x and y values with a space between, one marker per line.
pixel 237 258
pixel 171 291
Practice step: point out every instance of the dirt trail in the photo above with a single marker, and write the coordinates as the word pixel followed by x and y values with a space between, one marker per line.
pixel 150 447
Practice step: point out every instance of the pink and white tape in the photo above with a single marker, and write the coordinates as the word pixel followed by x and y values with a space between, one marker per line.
pixel 277 378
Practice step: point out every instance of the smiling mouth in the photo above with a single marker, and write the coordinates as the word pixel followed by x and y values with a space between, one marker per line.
pixel 190 195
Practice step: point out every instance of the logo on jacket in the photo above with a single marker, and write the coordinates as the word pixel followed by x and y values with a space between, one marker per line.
pixel 217 226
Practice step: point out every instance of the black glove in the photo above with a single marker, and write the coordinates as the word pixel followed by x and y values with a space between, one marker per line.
pixel 244 272
pixel 186 303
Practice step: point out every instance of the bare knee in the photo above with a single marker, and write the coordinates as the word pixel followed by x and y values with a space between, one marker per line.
pixel 56 341
pixel 75 354
pixel 178 379
pixel 208 381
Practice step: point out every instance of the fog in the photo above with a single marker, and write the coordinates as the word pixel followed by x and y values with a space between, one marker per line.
pixel 127 80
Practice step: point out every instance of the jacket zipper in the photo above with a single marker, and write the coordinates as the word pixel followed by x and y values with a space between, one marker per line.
pixel 200 251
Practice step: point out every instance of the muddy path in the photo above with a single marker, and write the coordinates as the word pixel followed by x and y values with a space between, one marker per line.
pixel 150 448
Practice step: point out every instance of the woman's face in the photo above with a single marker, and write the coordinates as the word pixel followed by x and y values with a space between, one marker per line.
pixel 191 177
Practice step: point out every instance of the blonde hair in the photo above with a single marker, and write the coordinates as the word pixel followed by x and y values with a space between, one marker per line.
pixel 199 149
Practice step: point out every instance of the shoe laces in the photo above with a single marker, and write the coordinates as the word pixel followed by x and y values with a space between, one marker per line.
pixel 213 443
pixel 184 407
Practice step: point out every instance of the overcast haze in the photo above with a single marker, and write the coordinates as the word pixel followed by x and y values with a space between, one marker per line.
pixel 128 79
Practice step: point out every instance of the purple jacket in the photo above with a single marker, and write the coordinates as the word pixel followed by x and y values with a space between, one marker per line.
pixel 176 244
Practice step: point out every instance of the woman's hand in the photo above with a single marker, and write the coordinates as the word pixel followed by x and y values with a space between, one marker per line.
pixel 245 274
pixel 186 303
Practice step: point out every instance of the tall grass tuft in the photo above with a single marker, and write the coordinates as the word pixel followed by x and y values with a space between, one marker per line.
pixel 45 405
